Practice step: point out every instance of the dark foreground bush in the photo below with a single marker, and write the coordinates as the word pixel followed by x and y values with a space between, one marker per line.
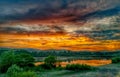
pixel 47 66
pixel 116 60
pixel 78 67
pixel 15 71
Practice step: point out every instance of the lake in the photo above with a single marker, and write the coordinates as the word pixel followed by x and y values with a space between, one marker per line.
pixel 88 62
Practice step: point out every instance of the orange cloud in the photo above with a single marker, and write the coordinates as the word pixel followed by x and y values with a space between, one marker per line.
pixel 57 41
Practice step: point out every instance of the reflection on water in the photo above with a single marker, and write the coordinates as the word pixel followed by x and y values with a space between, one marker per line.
pixel 88 62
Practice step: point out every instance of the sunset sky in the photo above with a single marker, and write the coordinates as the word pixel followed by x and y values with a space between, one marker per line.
pixel 92 25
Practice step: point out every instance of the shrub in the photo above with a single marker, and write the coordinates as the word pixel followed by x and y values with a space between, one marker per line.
pixel 47 66
pixel 116 60
pixel 118 75
pixel 59 68
pixel 6 60
pixel 27 74
pixel 78 67
pixel 38 68
pixel 9 58
pixel 15 71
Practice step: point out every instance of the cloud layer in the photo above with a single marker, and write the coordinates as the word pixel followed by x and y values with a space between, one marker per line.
pixel 60 24
pixel 41 9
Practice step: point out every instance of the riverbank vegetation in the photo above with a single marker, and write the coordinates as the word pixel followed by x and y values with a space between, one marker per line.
pixel 21 63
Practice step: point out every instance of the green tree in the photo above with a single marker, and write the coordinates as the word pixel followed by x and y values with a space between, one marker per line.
pixel 50 60
pixel 9 58
pixel 6 60
pixel 24 60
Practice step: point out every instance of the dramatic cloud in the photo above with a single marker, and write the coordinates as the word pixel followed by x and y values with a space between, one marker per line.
pixel 67 21
pixel 37 9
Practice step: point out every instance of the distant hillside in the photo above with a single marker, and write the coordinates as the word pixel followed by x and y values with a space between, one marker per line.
pixel 66 53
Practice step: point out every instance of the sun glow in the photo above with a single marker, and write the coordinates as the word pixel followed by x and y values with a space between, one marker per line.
pixel 56 41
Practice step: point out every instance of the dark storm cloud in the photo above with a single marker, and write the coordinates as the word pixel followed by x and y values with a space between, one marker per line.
pixel 37 9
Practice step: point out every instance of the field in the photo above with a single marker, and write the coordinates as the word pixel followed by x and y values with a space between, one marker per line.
pixel 110 70
pixel 100 60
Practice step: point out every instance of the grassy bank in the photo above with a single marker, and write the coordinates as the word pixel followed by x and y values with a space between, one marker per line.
pixel 110 70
